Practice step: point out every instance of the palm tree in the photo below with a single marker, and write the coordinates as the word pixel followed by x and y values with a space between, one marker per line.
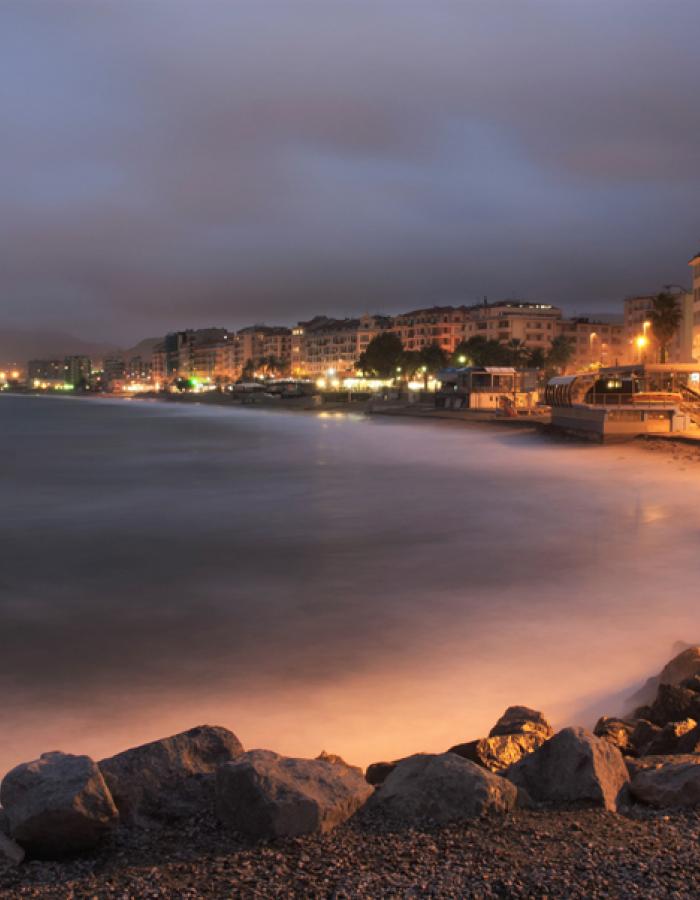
pixel 560 352
pixel 665 317
pixel 518 352
pixel 537 358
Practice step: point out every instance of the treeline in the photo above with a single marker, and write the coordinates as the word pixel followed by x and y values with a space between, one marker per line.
pixel 385 356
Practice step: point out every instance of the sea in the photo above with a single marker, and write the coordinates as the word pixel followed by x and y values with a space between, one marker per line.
pixel 371 587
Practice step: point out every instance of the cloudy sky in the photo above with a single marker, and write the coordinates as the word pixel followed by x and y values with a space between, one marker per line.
pixel 168 163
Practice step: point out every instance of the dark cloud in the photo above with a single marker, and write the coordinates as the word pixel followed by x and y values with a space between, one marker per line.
pixel 170 163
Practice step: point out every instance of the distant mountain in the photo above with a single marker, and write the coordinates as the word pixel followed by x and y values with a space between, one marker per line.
pixel 17 346
pixel 144 348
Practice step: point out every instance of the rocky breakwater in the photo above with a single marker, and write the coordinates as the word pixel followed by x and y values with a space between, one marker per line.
pixel 204 784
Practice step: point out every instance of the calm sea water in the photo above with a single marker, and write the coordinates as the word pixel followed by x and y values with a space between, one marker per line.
pixel 368 587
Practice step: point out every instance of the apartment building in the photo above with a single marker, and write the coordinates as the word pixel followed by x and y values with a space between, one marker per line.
pixel 445 326
pixel 324 345
pixel 534 324
pixel 263 342
pixel 594 342
pixel 694 264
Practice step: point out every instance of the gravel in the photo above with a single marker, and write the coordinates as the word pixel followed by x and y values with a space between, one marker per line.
pixel 582 853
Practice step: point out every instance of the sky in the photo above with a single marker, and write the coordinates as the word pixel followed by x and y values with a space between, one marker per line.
pixel 170 164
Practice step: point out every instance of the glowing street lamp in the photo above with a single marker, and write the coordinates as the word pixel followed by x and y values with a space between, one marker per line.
pixel 462 360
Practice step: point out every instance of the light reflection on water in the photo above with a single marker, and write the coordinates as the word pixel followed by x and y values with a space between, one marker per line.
pixel 368 587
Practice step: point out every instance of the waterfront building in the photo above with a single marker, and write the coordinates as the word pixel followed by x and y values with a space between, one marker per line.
pixel 258 344
pixel 48 372
pixel 594 342
pixel 113 371
pixel 445 326
pixel 638 338
pixel 694 264
pixel 325 347
pixel 622 402
pixel 534 325
pixel 77 370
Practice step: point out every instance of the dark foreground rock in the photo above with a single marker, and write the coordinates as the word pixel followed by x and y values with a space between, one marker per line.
pixel 666 782
pixel 573 767
pixel 171 778
pixel 265 795
pixel 57 804
pixel 523 854
pixel 438 788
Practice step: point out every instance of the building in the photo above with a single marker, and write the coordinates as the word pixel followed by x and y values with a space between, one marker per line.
pixel 694 264
pixel 445 326
pixel 77 370
pixel 49 372
pixel 263 347
pixel 325 347
pixel 534 325
pixel 639 339
pixel 114 371
pixel 595 342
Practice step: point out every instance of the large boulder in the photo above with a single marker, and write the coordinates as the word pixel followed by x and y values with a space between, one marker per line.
pixel 643 734
pixel 522 720
pixel 573 767
pixel 500 752
pixel 689 742
pixel 337 761
pixel 172 778
pixel 684 665
pixel 264 795
pixel 674 703
pixel 669 737
pixel 439 789
pixel 668 781
pixel 10 850
pixel 57 804
pixel 378 772
pixel 617 731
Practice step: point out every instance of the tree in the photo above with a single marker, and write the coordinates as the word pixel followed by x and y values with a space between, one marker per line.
pixel 248 370
pixel 665 317
pixel 519 354
pixel 433 358
pixel 383 356
pixel 410 362
pixel 461 355
pixel 560 352
pixel 537 358
pixel 272 365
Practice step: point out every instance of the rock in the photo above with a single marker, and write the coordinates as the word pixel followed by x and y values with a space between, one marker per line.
pixel 617 731
pixel 264 795
pixel 439 789
pixel 172 778
pixel 58 804
pixel 4 823
pixel 497 753
pixel 690 742
pixel 378 772
pixel 573 767
pixel 673 704
pixel 667 740
pixel 684 665
pixel 522 720
pixel 644 732
pixel 692 683
pixel 10 850
pixel 672 782
pixel 337 761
